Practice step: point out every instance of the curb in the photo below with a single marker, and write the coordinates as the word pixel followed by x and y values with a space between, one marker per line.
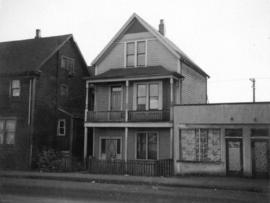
pixel 134 182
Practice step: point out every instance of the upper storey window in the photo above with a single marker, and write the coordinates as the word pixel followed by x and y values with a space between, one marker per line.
pixel 15 88
pixel 136 54
pixel 68 64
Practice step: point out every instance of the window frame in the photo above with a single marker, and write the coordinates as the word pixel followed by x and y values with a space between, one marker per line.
pixel 15 88
pixel 136 54
pixel 71 61
pixel 110 138
pixel 160 95
pixel 66 92
pixel 200 156
pixel 146 144
pixel 5 132
pixel 58 127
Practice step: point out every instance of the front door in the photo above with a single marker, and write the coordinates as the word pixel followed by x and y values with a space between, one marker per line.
pixel 260 162
pixel 234 158
pixel 116 94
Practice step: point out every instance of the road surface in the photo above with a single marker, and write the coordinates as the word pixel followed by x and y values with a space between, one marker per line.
pixel 51 191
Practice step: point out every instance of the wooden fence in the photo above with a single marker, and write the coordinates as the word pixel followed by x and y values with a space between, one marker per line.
pixel 132 167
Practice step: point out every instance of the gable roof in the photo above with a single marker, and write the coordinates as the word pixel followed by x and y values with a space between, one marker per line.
pixel 164 40
pixel 140 72
pixel 27 56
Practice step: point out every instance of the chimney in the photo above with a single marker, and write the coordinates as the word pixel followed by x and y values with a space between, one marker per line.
pixel 161 27
pixel 38 34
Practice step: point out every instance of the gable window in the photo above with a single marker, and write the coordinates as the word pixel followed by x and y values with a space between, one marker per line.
pixel 149 96
pixel 200 145
pixel 61 127
pixel 141 53
pixel 135 54
pixel 7 131
pixel 15 88
pixel 147 145
pixel 130 54
pixel 63 90
pixel 68 64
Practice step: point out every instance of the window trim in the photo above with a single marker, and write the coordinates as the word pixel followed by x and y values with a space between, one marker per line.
pixel 58 127
pixel 135 53
pixel 11 88
pixel 147 132
pixel 110 137
pixel 160 95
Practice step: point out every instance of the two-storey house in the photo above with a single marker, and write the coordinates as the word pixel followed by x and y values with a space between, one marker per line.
pixel 41 98
pixel 139 76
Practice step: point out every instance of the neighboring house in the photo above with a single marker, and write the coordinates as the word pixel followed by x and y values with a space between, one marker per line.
pixel 222 139
pixel 139 76
pixel 41 98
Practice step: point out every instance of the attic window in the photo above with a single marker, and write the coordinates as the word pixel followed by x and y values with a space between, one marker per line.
pixel 68 64
pixel 136 54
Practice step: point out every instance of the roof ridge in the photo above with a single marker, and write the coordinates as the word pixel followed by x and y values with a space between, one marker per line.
pixel 22 40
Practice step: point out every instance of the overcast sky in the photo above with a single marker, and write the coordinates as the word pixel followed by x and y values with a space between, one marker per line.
pixel 229 39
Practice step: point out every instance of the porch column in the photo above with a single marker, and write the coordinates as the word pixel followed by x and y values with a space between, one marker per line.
pixel 171 143
pixel 126 143
pixel 86 101
pixel 126 110
pixel 171 116
pixel 85 145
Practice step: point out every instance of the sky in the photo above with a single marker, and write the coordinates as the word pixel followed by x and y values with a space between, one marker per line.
pixel 228 39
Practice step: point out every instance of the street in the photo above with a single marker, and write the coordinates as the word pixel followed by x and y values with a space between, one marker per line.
pixel 36 190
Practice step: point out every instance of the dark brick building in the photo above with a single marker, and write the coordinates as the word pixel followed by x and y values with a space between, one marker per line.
pixel 41 98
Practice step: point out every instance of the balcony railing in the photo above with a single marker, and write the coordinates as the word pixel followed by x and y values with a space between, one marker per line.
pixel 111 116
pixel 133 116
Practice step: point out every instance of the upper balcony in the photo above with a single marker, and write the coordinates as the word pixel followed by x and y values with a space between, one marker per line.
pixel 131 116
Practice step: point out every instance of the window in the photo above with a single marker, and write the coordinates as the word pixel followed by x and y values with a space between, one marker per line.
pixel 7 131
pixel 148 96
pixel 116 98
pixel 63 90
pixel 110 148
pixel 141 97
pixel 233 132
pixel 61 128
pixel 202 145
pixel 136 54
pixel 130 54
pixel 153 96
pixel 147 145
pixel 68 64
pixel 141 53
pixel 15 88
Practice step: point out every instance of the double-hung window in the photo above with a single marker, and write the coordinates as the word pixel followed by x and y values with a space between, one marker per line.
pixel 15 88
pixel 61 127
pixel 148 96
pixel 147 145
pixel 200 145
pixel 136 54
pixel 7 131
pixel 68 64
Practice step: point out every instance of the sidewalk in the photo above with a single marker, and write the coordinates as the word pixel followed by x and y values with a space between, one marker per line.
pixel 227 183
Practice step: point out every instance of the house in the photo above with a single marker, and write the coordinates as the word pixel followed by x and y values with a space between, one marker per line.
pixel 41 98
pixel 222 139
pixel 139 77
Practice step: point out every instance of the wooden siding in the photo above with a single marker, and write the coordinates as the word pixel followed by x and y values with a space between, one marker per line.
pixel 193 86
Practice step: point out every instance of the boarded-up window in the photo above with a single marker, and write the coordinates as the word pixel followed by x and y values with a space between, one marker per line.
pixel 200 145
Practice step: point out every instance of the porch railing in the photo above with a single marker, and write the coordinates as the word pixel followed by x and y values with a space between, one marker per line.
pixel 133 116
pixel 106 116
pixel 132 167
pixel 161 115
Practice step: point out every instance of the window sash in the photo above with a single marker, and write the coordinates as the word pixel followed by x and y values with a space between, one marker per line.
pixel 15 88
pixel 147 145
pixel 61 127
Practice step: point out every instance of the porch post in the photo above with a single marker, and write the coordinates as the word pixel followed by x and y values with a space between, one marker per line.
pixel 126 142
pixel 85 145
pixel 86 101
pixel 126 109
pixel 171 116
